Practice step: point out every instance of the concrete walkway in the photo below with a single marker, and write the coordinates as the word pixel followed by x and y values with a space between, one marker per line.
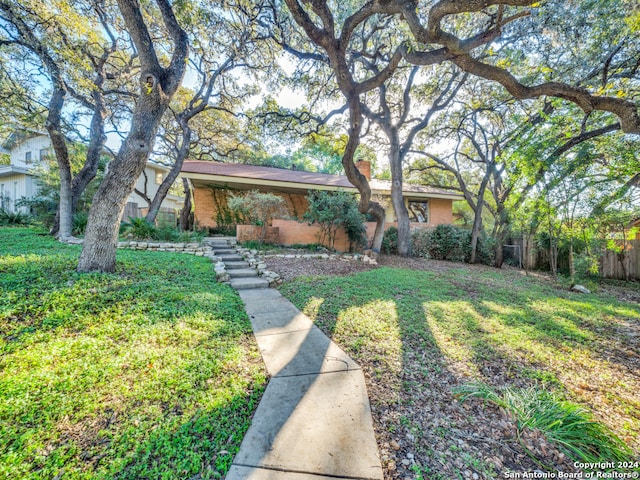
pixel 314 420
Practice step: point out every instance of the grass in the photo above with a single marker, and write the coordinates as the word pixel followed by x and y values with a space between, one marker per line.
pixel 501 328
pixel 151 372
pixel 568 425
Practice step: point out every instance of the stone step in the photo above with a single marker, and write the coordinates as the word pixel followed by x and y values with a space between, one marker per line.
pixel 224 250
pixel 247 283
pixel 242 273
pixel 231 257
pixel 236 265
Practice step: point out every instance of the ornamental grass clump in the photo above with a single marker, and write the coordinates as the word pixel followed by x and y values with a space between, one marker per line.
pixel 569 426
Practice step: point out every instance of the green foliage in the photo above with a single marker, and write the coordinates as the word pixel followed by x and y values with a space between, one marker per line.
pixel 259 208
pixel 568 425
pixel 486 249
pixel 43 209
pixel 390 241
pixel 445 242
pixel 150 372
pixel 80 222
pixel 257 245
pixel 17 218
pixel 140 229
pixel 332 210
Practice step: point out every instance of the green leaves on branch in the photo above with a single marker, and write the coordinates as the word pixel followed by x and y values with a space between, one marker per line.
pixel 334 210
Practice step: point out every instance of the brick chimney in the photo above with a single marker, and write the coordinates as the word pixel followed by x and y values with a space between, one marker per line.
pixel 364 167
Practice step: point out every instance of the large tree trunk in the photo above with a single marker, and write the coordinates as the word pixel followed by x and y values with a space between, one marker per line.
pixel 477 218
pixel 99 251
pixel 397 199
pixel 185 213
pixel 157 86
pixel 65 206
pixel 163 190
pixel 357 179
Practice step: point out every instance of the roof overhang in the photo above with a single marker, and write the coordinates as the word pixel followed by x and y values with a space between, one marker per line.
pixel 242 183
pixel 9 170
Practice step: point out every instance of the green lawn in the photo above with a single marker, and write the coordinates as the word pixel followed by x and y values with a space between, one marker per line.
pixel 410 329
pixel 151 372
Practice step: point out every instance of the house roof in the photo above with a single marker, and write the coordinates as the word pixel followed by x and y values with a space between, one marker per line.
pixel 20 135
pixel 252 176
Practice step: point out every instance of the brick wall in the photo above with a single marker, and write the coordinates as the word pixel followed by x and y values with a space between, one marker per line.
pixel 245 233
pixel 301 233
pixel 293 232
pixel 440 211
pixel 208 201
pixel 205 210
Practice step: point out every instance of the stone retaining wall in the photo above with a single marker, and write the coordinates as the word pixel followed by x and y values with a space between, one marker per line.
pixel 192 248
pixel 253 257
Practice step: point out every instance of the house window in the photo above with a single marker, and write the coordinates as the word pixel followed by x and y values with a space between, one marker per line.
pixel 419 212
pixel 27 158
pixel 43 153
pixel 159 178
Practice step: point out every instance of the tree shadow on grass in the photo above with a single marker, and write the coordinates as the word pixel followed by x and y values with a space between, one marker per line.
pixel 138 374
pixel 438 347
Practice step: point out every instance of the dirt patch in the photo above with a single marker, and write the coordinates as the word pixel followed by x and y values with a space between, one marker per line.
pixel 290 268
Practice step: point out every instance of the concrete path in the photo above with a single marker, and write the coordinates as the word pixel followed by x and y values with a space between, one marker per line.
pixel 314 419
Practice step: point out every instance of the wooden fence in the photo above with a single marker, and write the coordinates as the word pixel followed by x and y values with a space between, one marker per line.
pixel 611 267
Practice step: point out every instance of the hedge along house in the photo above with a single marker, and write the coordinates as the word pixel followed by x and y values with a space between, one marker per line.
pixel 214 182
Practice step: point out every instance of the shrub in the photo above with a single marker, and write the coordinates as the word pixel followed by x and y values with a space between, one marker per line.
pixel 390 241
pixel 14 218
pixel 332 210
pixel 259 208
pixel 420 242
pixel 565 424
pixel 43 209
pixel 80 223
pixel 165 233
pixel 139 228
pixel 190 235
pixel 445 242
pixel 486 250
pixel 449 242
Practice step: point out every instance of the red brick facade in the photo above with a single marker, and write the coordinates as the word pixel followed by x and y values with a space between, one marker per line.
pixel 211 203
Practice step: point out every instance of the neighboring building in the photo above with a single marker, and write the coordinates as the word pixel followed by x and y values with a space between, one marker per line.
pixel 147 185
pixel 213 182
pixel 27 150
pixel 17 180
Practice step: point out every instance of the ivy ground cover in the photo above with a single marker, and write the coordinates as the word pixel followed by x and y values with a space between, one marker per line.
pixel 151 372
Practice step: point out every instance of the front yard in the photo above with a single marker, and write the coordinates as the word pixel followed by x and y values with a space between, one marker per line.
pixel 151 372
pixel 421 330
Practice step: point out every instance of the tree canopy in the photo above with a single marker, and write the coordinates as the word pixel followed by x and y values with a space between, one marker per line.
pixel 503 100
